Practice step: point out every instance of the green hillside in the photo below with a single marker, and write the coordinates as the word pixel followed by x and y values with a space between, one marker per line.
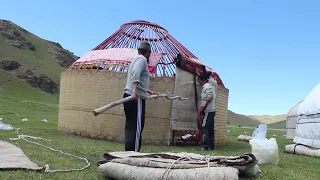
pixel 267 119
pixel 239 119
pixel 254 120
pixel 30 68
pixel 278 125
pixel 28 56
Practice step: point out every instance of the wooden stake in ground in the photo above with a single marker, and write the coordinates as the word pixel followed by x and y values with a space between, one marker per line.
pixel 121 101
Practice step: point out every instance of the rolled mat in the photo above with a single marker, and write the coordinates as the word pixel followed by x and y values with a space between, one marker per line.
pixel 244 138
pixel 301 150
pixel 134 165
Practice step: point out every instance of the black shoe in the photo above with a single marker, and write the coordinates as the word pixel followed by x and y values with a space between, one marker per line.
pixel 211 148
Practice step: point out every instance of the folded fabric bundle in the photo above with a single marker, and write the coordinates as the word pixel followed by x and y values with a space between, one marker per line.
pixel 301 150
pixel 246 138
pixel 134 165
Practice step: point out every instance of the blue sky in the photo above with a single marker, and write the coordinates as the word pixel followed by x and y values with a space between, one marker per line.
pixel 266 52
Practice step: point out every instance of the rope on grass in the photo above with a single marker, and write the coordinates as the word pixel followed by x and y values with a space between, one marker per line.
pixel 46 167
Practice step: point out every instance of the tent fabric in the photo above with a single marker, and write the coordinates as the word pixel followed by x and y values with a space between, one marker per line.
pixel 119 171
pixel 291 122
pixel 202 63
pixel 245 138
pixel 290 133
pixel 302 150
pixel 195 66
pixel 184 113
pixel 135 165
pixel 293 112
pixel 311 104
pixel 308 123
pixel 12 157
pixel 308 131
pixel 117 55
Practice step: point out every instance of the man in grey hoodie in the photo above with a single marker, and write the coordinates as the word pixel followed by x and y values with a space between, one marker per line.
pixel 208 107
pixel 138 87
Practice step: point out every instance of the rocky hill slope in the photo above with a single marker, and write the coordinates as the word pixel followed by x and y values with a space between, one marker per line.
pixel 33 60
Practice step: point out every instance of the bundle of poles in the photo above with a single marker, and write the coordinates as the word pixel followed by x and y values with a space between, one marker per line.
pixel 102 109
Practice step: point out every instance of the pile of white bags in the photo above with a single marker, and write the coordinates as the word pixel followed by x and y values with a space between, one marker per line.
pixel 265 150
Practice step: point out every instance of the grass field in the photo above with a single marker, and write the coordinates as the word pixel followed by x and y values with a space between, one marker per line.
pixel 35 105
pixel 18 100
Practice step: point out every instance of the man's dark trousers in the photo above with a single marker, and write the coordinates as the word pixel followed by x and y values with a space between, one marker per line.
pixel 208 130
pixel 135 115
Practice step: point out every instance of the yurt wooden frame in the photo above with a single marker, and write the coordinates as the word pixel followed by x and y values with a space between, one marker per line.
pixel 86 86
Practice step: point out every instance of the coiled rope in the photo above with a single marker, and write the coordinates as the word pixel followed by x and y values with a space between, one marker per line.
pixel 46 167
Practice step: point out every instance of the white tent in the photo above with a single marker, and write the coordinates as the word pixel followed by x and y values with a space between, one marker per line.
pixel 308 124
pixel 291 122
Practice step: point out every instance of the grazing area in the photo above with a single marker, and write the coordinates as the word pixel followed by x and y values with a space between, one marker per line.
pixel 278 125
pixel 36 105
pixel 30 69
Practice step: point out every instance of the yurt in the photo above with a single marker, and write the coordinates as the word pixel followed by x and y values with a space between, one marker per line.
pixel 291 121
pixel 308 124
pixel 98 78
